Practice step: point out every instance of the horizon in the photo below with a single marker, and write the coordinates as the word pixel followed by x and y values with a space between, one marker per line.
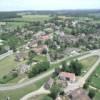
pixel 51 5
pixel 52 10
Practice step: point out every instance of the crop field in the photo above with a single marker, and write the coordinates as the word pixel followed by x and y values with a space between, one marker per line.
pixel 30 18
pixel 15 24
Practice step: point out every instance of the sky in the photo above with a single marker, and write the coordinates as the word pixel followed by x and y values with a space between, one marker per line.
pixel 16 5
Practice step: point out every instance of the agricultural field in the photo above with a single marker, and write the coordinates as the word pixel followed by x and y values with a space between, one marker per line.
pixel 13 25
pixel 30 18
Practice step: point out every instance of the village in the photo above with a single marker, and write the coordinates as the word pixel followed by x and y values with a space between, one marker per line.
pixel 57 45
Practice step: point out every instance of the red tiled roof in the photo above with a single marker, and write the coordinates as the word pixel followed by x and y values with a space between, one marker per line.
pixel 71 76
pixel 45 37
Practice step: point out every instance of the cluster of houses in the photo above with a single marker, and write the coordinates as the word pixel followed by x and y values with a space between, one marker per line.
pixel 63 79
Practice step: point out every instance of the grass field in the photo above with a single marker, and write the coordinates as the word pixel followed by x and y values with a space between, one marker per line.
pixel 15 24
pixel 39 97
pixel 88 62
pixel 97 96
pixel 95 78
pixel 40 58
pixel 30 18
pixel 8 64
pixel 17 94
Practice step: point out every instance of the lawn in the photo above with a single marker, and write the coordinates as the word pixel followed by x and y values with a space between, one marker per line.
pixel 97 96
pixel 88 62
pixel 95 78
pixel 18 79
pixel 19 93
pixel 39 97
pixel 40 58
pixel 8 64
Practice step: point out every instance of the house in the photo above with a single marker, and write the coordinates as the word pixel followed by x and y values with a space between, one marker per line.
pixel 67 76
pixel 39 49
pixel 58 98
pixel 71 39
pixel 79 94
pixel 72 51
pixel 20 56
pixel 23 68
pixel 32 44
pixel 62 83
pixel 62 97
pixel 49 83
pixel 74 23
pixel 44 37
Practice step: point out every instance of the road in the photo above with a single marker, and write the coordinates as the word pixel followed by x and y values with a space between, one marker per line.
pixel 35 93
pixel 39 77
pixel 81 81
pixel 71 86
pixel 2 56
pixel 31 81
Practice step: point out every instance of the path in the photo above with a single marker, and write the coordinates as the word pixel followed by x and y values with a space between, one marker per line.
pixel 81 82
pixel 35 93
pixel 39 77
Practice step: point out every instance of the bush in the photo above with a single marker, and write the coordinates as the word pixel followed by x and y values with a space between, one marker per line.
pixel 55 90
pixel 74 67
pixel 8 77
pixel 47 98
pixel 38 68
pixel 91 93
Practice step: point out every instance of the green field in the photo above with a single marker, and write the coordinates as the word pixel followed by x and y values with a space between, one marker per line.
pixel 19 93
pixel 95 78
pixel 97 96
pixel 30 18
pixel 40 58
pixel 7 65
pixel 39 97
pixel 13 25
pixel 88 62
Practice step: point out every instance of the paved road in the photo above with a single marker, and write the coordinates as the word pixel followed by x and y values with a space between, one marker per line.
pixel 33 80
pixel 81 82
pixel 2 56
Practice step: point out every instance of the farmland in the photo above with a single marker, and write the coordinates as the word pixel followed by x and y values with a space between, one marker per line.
pixel 30 18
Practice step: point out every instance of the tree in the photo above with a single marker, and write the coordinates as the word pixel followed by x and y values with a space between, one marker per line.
pixel 44 51
pixel 47 98
pixel 91 93
pixel 31 55
pixel 75 67
pixel 64 66
pixel 86 85
pixel 39 68
pixel 55 90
